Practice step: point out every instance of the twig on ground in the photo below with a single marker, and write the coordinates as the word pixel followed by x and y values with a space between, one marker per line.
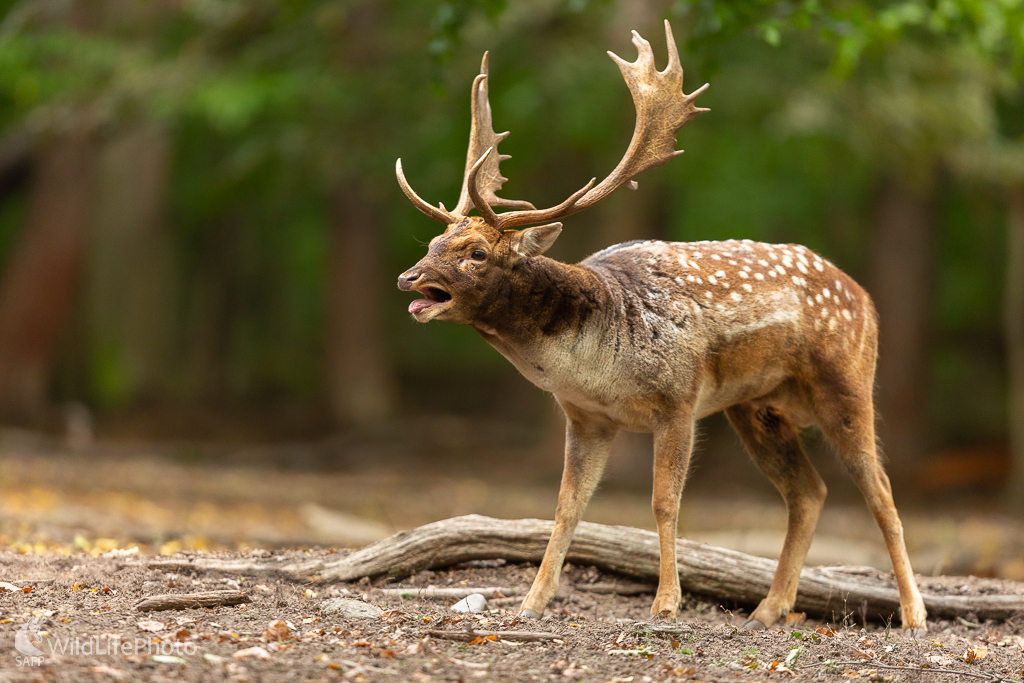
pixel 425 645
pixel 467 636
pixel 616 588
pixel 434 592
pixel 156 603
pixel 870 664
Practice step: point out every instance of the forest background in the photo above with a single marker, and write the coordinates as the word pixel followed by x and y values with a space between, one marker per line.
pixel 200 228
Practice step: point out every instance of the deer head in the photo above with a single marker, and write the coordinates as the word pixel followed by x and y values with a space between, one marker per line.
pixel 465 266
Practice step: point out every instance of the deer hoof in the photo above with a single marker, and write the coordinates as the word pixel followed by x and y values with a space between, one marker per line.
pixel 916 631
pixel 753 625
pixel 529 614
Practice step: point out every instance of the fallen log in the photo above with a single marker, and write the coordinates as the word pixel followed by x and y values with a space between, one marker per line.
pixel 722 574
pixel 157 603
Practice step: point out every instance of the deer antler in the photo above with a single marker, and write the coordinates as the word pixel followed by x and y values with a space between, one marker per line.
pixel 661 110
pixel 481 165
pixel 482 178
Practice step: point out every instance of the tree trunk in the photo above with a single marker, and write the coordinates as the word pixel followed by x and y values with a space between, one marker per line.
pixel 39 285
pixel 359 382
pixel 1013 310
pixel 899 279
pixel 129 268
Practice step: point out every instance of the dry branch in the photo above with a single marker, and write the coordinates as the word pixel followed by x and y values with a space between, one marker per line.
pixel 433 592
pixel 717 572
pixel 157 603
pixel 469 636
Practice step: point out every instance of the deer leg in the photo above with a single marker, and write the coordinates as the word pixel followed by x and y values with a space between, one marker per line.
pixel 672 446
pixel 774 444
pixel 851 427
pixel 586 450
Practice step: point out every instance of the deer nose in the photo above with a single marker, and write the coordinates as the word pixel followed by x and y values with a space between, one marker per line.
pixel 407 279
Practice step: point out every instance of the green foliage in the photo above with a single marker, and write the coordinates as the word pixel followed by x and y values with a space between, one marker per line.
pixel 274 106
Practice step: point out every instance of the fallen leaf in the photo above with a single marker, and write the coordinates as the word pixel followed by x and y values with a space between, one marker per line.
pixel 975 654
pixel 277 630
pixel 118 674
pixel 796 618
pixel 8 587
pixel 152 626
pixel 169 659
pixel 253 652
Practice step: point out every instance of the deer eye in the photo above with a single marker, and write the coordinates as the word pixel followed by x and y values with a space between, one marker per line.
pixel 478 255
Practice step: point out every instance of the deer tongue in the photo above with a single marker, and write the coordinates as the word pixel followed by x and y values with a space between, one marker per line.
pixel 420 304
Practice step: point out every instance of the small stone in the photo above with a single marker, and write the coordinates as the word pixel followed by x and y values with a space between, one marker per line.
pixel 211 658
pixel 350 609
pixel 471 603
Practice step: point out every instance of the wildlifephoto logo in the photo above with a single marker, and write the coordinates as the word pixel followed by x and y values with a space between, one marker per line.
pixel 33 645
pixel 27 637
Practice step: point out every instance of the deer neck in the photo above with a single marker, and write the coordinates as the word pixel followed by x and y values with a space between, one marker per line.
pixel 543 301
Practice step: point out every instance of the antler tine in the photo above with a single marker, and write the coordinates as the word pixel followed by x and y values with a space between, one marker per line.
pixel 487 178
pixel 661 110
pixel 512 219
pixel 438 214
pixel 474 192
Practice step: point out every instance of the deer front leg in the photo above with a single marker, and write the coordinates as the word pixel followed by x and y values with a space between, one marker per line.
pixel 586 449
pixel 672 446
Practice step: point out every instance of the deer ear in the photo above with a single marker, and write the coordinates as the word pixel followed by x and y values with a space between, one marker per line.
pixel 535 241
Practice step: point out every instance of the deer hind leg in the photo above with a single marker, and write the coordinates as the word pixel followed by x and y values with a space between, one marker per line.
pixel 586 451
pixel 849 423
pixel 672 446
pixel 774 444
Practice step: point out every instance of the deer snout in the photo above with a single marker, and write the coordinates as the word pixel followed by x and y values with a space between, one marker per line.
pixel 409 278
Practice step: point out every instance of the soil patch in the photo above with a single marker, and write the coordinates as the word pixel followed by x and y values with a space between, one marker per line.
pixel 77 610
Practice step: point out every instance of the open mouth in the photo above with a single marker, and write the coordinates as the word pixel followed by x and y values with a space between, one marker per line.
pixel 432 296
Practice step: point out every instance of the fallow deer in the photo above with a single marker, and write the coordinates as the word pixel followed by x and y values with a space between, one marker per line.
pixel 651 336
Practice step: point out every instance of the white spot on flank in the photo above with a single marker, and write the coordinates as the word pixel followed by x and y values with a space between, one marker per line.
pixel 802 268
pixel 747 287
pixel 787 261
pixel 773 256
pixel 758 276
pixel 733 263
pixel 696 254
pixel 824 313
pixel 825 292
pixel 839 286
pixel 736 296
pixel 772 273
pixel 742 274
pixel 690 278
pixel 817 264
pixel 782 271
pixel 810 301
pixel 720 273
pixel 712 279
pixel 796 280
pixel 846 314
pixel 762 262
pixel 746 268
pixel 725 284
pixel 694 265
pixel 716 257
pixel 817 298
pixel 832 324
pixel 708 294
pixel 699 281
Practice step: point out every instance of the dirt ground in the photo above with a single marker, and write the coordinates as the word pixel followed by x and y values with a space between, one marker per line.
pixel 82 606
